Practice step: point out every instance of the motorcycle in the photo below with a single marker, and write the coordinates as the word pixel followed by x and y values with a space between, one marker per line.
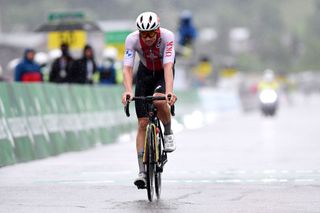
pixel 268 99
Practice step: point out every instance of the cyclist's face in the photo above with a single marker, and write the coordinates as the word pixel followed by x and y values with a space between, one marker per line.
pixel 148 37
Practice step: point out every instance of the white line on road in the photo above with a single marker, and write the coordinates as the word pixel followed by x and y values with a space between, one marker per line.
pixel 186 181
pixel 304 180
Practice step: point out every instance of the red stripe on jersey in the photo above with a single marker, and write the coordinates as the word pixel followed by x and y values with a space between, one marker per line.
pixel 152 54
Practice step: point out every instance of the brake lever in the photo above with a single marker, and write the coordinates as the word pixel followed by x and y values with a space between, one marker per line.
pixel 127 106
pixel 172 108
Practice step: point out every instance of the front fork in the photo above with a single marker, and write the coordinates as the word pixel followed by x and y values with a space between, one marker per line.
pixel 163 158
pixel 160 158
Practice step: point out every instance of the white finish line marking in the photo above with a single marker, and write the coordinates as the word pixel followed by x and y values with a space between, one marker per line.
pixel 270 176
pixel 181 181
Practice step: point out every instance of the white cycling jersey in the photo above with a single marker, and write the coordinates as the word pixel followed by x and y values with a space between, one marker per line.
pixel 162 52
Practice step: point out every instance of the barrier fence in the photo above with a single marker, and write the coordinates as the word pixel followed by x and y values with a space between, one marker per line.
pixel 42 120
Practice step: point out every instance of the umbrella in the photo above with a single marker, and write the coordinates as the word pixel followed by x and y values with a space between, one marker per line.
pixel 68 26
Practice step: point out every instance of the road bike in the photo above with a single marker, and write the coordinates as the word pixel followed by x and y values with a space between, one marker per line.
pixel 154 157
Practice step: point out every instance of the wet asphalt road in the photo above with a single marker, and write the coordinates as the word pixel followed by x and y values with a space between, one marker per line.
pixel 238 163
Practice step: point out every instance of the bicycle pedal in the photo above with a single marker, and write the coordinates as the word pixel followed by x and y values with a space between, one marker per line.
pixel 164 161
pixel 159 169
pixel 140 184
pixel 141 187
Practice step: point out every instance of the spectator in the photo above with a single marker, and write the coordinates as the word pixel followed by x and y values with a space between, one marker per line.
pixel 83 69
pixel 1 74
pixel 42 59
pixel 202 71
pixel 187 31
pixel 28 70
pixel 61 67
pixel 107 70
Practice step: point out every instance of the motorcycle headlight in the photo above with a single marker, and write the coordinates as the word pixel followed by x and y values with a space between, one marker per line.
pixel 268 96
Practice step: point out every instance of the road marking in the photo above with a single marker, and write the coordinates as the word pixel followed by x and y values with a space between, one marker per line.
pixel 270 171
pixel 304 180
pixel 269 180
pixel 270 176
pixel 107 172
pixel 213 172
pixel 205 181
pixel 305 171
pixel 170 181
pixel 235 172
pixel 229 181
pixel 250 181
pixel 186 181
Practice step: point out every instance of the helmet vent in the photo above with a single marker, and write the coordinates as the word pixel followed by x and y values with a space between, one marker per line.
pixel 147 21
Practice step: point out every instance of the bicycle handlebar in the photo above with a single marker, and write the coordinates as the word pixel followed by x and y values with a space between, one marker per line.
pixel 147 99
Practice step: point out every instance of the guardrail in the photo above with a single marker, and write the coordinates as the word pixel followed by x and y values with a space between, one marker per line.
pixel 42 120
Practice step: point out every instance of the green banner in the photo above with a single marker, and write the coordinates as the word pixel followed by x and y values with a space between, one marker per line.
pixel 18 126
pixel 51 109
pixel 7 155
pixel 41 120
pixel 30 111
pixel 69 119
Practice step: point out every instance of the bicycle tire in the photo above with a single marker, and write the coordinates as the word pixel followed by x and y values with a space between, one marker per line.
pixel 150 166
pixel 158 172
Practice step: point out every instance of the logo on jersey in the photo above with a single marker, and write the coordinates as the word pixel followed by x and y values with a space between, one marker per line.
pixel 152 56
pixel 159 43
pixel 129 53
pixel 169 49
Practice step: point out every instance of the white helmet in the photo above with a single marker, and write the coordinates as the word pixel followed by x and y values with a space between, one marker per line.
pixel 41 58
pixel 148 21
pixel 54 54
pixel 110 52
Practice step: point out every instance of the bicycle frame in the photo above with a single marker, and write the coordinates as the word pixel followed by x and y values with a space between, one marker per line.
pixel 155 125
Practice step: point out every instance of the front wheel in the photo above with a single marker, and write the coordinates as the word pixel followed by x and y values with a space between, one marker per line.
pixel 158 184
pixel 149 163
pixel 158 169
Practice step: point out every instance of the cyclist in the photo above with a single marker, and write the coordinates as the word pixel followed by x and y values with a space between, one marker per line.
pixel 155 47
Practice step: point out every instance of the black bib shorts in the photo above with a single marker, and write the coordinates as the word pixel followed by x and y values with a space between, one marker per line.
pixel 147 83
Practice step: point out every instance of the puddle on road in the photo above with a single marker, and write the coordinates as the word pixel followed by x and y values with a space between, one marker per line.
pixel 144 205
